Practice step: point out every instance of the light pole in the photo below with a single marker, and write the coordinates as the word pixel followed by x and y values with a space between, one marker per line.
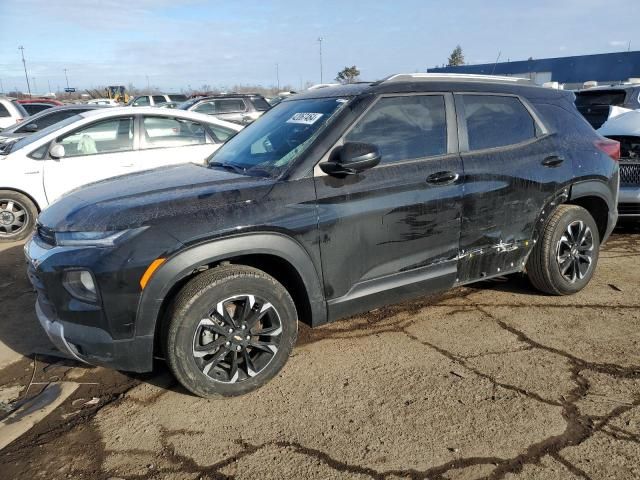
pixel 148 87
pixel 35 88
pixel 320 39
pixel 66 78
pixel 278 76
pixel 1 87
pixel 21 48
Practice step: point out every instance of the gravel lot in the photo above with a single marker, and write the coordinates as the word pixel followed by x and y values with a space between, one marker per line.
pixel 490 381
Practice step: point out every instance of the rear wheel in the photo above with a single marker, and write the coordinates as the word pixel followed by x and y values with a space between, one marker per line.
pixel 231 329
pixel 17 216
pixel 565 257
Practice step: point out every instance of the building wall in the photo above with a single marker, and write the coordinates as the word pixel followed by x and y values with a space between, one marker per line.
pixel 603 68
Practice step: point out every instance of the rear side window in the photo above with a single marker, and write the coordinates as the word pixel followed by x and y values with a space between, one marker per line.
pixel 230 105
pixel 159 99
pixel 33 108
pixel 3 111
pixel 178 98
pixel 404 128
pixel 260 104
pixel 495 121
pixel 165 132
pixel 142 101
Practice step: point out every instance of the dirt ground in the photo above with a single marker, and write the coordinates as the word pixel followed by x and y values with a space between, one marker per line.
pixel 489 381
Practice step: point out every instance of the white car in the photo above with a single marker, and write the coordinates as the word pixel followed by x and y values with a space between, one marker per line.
pixel 110 102
pixel 95 145
pixel 11 112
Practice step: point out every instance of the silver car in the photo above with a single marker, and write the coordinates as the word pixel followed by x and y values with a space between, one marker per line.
pixel 237 108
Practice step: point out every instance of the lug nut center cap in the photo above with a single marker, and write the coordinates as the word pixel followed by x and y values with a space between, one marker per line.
pixel 7 218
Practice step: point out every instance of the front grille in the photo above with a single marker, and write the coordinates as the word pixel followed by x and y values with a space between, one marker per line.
pixel 629 209
pixel 46 236
pixel 630 174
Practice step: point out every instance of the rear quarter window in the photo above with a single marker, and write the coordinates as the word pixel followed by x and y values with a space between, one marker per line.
pixel 3 111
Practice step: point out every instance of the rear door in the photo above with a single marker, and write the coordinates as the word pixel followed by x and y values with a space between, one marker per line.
pixel 513 168
pixel 100 150
pixel 392 231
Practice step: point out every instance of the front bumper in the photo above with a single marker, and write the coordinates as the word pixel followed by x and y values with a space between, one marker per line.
pixel 83 338
pixel 629 202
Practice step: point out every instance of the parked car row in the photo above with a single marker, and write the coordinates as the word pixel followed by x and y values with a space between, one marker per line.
pixel 336 201
pixel 87 144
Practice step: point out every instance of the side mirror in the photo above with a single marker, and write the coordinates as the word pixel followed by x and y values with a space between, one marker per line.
pixel 351 158
pixel 56 151
pixel 32 127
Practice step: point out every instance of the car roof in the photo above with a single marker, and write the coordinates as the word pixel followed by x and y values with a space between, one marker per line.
pixel 116 111
pixel 433 82
pixel 621 87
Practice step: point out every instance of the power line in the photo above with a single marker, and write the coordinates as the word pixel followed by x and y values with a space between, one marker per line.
pixel 21 48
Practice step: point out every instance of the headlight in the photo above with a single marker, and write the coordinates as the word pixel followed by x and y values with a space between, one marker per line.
pixel 81 285
pixel 93 239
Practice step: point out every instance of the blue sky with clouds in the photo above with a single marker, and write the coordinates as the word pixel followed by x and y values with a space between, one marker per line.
pixel 182 43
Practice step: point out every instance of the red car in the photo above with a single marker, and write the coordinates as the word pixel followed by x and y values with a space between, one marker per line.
pixel 35 105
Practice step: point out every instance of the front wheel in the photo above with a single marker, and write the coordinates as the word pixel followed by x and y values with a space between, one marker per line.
pixel 231 329
pixel 17 216
pixel 565 257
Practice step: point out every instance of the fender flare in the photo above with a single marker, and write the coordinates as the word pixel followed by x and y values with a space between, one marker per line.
pixel 184 262
pixel 593 188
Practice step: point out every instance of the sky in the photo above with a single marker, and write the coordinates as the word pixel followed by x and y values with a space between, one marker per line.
pixel 183 44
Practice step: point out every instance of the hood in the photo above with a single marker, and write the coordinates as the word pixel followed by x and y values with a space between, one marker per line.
pixel 152 197
pixel 626 124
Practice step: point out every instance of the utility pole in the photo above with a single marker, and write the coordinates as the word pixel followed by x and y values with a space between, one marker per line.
pixel 148 87
pixel 278 76
pixel 21 48
pixel 320 39
pixel 629 48
pixel 66 78
pixel 35 89
pixel 1 87
pixel 49 83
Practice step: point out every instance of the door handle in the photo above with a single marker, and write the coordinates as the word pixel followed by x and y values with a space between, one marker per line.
pixel 442 178
pixel 552 161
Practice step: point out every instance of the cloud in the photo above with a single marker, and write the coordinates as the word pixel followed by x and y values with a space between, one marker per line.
pixel 618 43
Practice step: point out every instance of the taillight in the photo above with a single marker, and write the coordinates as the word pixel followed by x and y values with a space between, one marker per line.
pixel 610 147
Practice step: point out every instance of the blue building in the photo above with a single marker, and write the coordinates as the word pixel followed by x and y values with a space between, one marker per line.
pixel 571 71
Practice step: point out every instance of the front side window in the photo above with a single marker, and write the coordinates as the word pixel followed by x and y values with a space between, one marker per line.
pixel 141 102
pixel 404 128
pixel 164 132
pixel 496 121
pixel 268 147
pixel 207 108
pixel 109 136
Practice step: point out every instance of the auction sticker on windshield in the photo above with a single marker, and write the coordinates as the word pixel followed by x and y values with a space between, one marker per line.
pixel 305 118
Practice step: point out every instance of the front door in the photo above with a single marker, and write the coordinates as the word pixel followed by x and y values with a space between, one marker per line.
pixel 94 152
pixel 394 229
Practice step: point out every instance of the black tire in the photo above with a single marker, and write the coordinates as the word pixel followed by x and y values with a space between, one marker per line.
pixel 544 267
pixel 18 216
pixel 194 317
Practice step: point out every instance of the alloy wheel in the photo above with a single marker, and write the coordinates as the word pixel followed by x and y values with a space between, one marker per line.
pixel 574 252
pixel 14 217
pixel 238 339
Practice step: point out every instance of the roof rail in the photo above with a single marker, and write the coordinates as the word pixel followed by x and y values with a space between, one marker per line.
pixel 407 77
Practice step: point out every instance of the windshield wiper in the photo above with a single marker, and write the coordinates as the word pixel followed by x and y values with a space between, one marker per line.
pixel 229 166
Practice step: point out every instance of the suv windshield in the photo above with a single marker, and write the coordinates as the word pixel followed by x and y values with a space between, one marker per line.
pixel 269 145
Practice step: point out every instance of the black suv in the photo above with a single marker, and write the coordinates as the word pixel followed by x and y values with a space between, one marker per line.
pixel 335 202
pixel 242 108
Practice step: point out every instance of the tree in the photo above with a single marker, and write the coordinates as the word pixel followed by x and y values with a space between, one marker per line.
pixel 456 58
pixel 348 75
